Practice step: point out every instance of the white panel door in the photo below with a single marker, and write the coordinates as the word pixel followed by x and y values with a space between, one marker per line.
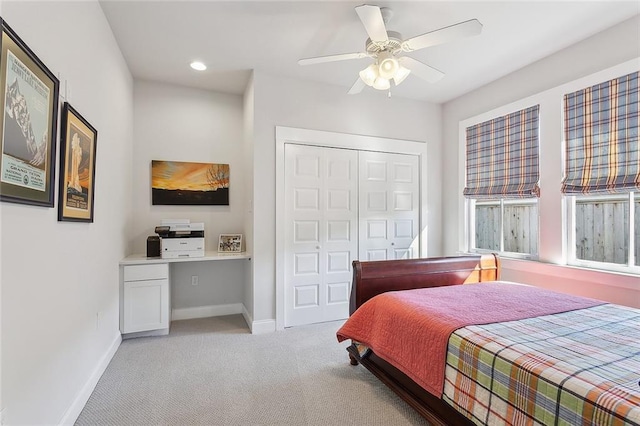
pixel 389 206
pixel 321 187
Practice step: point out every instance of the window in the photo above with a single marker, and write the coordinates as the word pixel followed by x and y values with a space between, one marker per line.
pixel 507 226
pixel 602 175
pixel 603 225
pixel 502 174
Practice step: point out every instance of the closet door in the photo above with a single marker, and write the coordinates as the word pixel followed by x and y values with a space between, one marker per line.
pixel 321 187
pixel 389 204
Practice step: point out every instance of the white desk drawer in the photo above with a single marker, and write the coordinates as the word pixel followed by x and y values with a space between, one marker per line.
pixel 146 272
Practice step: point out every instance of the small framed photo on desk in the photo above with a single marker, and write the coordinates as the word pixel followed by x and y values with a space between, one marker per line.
pixel 230 243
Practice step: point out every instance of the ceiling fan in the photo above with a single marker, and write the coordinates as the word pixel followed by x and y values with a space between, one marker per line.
pixel 386 49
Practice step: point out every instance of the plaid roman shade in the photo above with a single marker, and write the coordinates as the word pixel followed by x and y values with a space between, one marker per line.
pixel 502 157
pixel 601 133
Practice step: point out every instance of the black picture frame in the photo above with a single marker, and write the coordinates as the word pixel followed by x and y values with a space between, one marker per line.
pixel 28 124
pixel 77 175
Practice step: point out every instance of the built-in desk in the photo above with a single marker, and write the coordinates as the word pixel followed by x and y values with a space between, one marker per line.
pixel 145 302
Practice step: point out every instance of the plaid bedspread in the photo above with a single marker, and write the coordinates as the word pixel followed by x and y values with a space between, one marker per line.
pixel 575 368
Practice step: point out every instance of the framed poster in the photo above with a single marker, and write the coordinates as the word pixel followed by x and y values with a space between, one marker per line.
pixel 189 184
pixel 230 243
pixel 77 167
pixel 27 124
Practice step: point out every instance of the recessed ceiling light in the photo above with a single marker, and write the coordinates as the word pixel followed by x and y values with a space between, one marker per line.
pixel 198 66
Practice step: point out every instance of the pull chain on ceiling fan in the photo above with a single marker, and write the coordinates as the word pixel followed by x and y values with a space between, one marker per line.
pixel 385 48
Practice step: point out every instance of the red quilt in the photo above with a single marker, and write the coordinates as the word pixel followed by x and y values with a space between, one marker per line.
pixel 410 329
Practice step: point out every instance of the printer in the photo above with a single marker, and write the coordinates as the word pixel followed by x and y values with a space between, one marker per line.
pixel 180 238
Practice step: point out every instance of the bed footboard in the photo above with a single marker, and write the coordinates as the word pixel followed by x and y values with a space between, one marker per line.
pixel 376 277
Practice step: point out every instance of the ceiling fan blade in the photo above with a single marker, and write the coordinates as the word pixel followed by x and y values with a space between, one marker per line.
pixel 443 35
pixel 373 22
pixel 420 69
pixel 332 58
pixel 357 87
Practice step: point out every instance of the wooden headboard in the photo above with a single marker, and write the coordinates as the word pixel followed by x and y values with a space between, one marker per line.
pixel 375 277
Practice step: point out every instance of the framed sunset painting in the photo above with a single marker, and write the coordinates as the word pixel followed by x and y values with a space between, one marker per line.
pixel 191 184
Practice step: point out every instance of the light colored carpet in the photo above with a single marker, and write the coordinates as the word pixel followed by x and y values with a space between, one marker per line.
pixel 212 371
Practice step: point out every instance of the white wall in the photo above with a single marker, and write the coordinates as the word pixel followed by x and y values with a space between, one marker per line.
pixel 248 121
pixel 60 279
pixel 291 103
pixel 542 82
pixel 614 288
pixel 184 124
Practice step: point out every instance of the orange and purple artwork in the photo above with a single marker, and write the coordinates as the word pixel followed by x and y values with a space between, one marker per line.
pixel 182 183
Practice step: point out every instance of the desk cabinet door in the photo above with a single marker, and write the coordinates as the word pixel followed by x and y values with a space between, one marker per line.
pixel 146 305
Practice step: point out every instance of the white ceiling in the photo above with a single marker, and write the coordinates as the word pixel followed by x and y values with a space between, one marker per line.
pixel 160 38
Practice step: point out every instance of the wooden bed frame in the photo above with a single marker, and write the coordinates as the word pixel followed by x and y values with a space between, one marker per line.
pixel 375 277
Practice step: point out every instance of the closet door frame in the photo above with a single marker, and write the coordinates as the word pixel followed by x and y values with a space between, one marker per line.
pixel 320 138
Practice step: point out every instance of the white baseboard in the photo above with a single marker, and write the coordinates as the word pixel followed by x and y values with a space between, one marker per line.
pixel 258 327
pixel 247 316
pixel 206 311
pixel 263 326
pixel 152 333
pixel 72 413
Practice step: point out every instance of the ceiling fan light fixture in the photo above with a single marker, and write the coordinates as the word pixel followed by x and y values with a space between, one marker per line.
pixel 381 83
pixel 401 74
pixel 385 48
pixel 387 65
pixel 369 74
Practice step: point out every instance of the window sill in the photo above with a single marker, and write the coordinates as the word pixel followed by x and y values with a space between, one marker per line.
pixel 506 255
pixel 609 267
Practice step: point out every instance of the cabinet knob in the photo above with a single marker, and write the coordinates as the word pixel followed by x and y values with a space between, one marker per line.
pixel 317 247
pixel 393 244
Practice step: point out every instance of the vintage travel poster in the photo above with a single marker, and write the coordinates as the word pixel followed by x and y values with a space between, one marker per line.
pixel 28 123
pixel 25 128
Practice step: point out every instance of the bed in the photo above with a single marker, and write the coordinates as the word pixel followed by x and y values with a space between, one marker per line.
pixel 463 348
